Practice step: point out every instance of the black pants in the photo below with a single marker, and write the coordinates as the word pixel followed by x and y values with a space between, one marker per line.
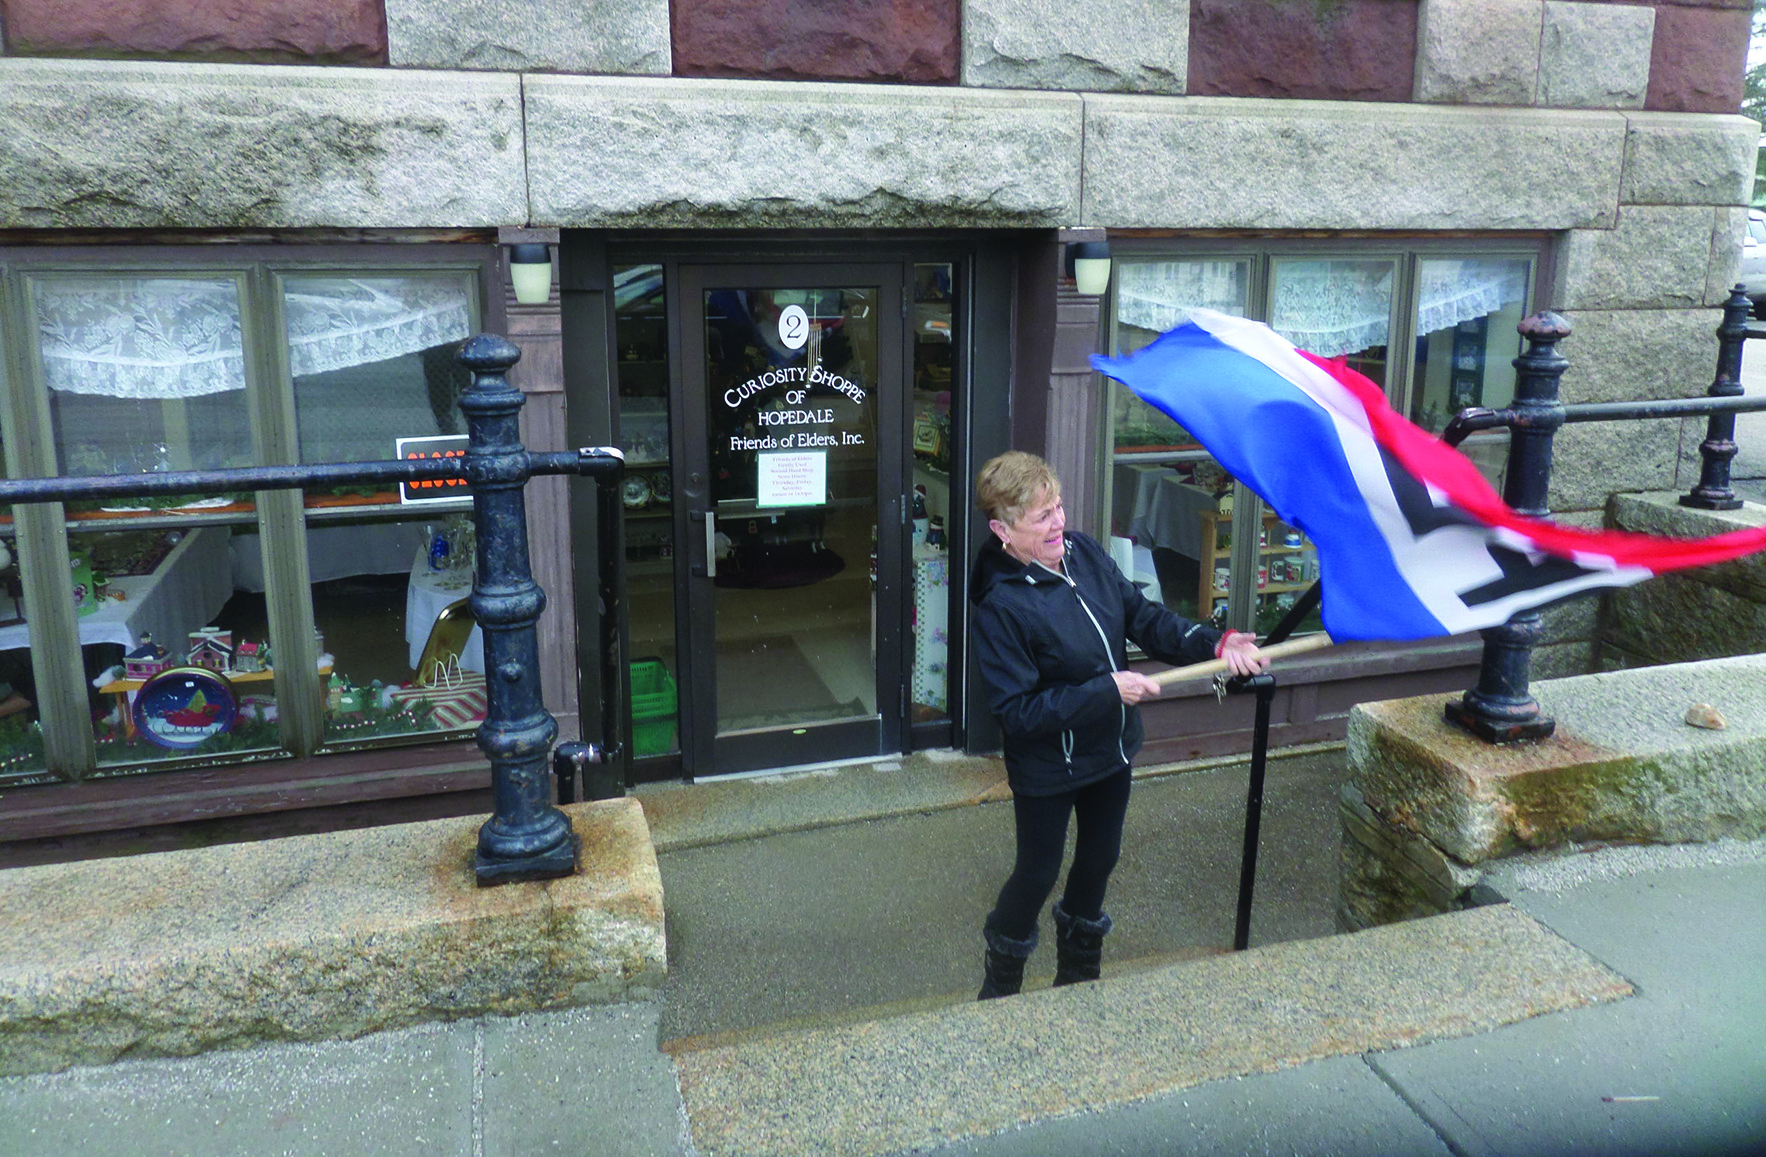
pixel 1042 837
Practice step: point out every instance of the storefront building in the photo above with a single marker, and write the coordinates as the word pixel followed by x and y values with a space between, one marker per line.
pixel 809 270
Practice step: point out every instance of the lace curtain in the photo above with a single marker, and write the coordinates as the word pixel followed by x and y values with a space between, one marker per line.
pixel 1158 295
pixel 1324 307
pixel 162 337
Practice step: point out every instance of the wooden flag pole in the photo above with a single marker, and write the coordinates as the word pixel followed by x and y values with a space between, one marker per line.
pixel 1213 667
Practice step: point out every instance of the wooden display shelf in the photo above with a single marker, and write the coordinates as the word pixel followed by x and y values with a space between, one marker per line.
pixel 1212 553
pixel 122 687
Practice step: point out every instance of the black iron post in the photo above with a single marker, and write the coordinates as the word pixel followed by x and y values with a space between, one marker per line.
pixel 1714 491
pixel 1500 709
pixel 526 838
pixel 1263 686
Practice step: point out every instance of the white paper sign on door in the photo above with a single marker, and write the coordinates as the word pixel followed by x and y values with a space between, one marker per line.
pixel 794 478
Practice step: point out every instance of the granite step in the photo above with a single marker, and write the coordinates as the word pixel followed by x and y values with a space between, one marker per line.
pixel 928 1076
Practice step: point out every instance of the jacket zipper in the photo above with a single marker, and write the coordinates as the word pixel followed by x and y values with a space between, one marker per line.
pixel 1122 708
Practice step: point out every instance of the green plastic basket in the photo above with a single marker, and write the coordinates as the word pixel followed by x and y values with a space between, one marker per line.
pixel 653 708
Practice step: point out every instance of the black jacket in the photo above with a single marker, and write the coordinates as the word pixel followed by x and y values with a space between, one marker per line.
pixel 1046 644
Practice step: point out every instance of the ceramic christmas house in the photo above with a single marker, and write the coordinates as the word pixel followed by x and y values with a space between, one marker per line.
pixel 146 661
pixel 248 657
pixel 211 647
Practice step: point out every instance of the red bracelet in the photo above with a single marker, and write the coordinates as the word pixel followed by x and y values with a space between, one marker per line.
pixel 1220 647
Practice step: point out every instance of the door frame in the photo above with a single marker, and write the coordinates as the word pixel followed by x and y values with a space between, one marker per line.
pixel 703 750
pixel 997 271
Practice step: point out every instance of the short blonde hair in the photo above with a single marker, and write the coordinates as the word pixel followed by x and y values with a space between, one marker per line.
pixel 1012 482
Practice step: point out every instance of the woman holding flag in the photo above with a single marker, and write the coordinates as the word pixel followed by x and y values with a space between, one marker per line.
pixel 1052 619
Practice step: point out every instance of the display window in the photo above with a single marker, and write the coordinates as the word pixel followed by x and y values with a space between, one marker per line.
pixel 1180 526
pixel 229 627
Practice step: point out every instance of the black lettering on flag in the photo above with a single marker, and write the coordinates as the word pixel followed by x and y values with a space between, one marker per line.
pixel 1519 571
pixel 1419 511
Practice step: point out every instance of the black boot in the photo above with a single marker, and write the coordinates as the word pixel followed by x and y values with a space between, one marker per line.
pixel 1005 964
pixel 1079 946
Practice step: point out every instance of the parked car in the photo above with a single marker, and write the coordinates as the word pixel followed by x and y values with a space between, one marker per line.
pixel 1753 261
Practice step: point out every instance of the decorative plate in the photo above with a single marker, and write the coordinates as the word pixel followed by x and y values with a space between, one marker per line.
pixel 184 706
pixel 637 491
pixel 661 486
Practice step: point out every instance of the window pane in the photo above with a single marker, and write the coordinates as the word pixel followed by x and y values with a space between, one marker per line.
pixel 1468 311
pixel 176 670
pixel 1335 308
pixel 641 336
pixel 373 360
pixel 144 374
pixel 1159 536
pixel 1152 297
pixel 934 371
pixel 400 652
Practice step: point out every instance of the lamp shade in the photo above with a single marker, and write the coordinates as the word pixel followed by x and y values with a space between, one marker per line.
pixel 530 271
pixel 1090 262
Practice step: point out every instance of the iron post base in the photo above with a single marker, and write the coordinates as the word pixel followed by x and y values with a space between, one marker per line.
pixel 550 864
pixel 1698 501
pixel 1496 729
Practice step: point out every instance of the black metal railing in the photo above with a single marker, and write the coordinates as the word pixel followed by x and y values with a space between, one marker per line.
pixel 526 836
pixel 1500 708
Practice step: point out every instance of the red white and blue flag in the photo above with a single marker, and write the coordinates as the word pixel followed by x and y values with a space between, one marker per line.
pixel 1412 541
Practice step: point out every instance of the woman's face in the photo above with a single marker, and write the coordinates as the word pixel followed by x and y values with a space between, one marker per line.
pixel 1037 535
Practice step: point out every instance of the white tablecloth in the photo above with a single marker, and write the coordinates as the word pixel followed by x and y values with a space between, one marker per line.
pixel 189 588
pixel 1160 509
pixel 428 594
pixel 335 552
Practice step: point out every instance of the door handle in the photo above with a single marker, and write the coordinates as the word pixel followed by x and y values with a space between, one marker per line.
pixel 709 518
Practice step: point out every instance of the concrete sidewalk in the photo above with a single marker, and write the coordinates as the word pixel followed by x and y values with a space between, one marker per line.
pixel 1613 1007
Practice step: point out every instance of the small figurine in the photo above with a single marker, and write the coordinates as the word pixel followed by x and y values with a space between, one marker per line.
pixel 145 661
pixel 211 647
pixel 352 700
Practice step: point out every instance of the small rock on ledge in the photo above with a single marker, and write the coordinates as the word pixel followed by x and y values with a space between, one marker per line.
pixel 1706 716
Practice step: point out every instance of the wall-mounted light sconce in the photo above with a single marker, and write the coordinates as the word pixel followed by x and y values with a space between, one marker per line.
pixel 530 271
pixel 1088 263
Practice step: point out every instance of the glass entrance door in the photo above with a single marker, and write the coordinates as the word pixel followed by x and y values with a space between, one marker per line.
pixel 793 434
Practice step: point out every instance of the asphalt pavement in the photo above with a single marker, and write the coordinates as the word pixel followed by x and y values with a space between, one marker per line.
pixel 1629 1023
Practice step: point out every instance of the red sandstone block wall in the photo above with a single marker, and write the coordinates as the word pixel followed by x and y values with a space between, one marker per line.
pixel 1324 50
pixel 259 32
pixel 1314 49
pixel 905 41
